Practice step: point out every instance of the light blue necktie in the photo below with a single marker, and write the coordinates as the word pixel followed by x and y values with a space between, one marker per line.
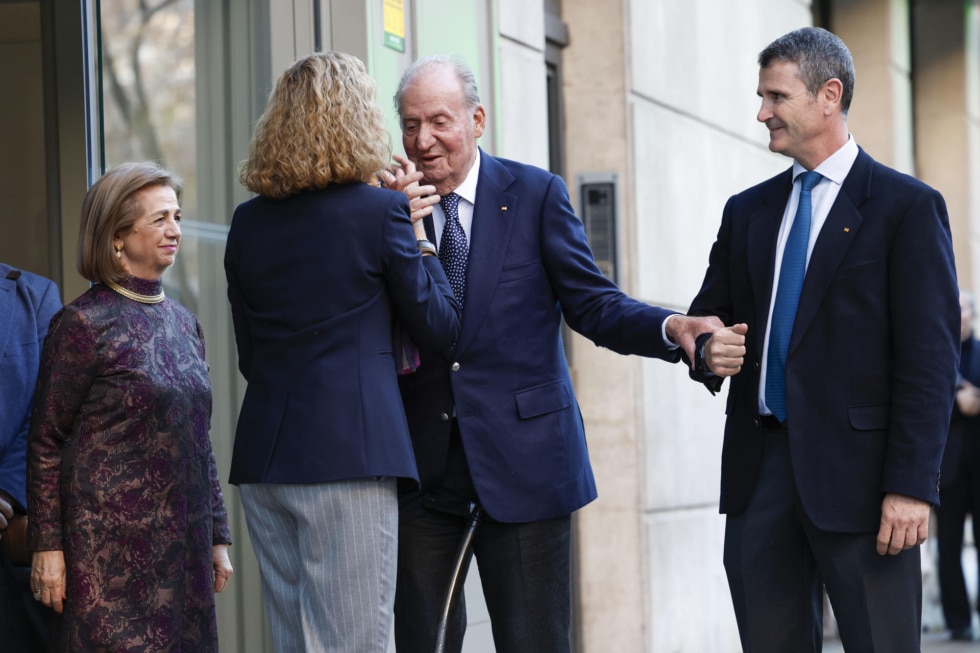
pixel 791 274
pixel 453 250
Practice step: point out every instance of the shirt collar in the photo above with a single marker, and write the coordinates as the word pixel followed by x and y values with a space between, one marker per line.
pixel 836 166
pixel 467 189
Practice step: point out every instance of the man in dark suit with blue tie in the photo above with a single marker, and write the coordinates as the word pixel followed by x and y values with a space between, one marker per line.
pixel 837 277
pixel 496 425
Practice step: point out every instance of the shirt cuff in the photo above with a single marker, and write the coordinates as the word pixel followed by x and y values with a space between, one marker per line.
pixel 671 345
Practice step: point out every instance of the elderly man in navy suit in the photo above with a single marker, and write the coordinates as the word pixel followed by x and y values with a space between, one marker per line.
pixel 837 279
pixel 27 304
pixel 496 424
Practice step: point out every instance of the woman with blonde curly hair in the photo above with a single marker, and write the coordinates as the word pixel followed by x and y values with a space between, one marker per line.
pixel 321 266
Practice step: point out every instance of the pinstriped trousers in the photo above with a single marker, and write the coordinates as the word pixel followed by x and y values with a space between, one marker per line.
pixel 328 557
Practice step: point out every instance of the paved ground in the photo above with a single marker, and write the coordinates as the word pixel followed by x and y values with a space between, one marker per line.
pixel 931 643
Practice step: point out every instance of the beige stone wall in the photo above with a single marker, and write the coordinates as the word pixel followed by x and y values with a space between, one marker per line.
pixel 972 53
pixel 942 119
pixel 877 34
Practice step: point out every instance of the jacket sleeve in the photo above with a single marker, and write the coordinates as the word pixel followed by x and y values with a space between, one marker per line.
pixel 39 302
pixel 418 286
pixel 925 328
pixel 69 364
pixel 591 303
pixel 714 297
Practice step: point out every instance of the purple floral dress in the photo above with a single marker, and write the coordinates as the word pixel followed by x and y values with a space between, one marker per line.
pixel 122 476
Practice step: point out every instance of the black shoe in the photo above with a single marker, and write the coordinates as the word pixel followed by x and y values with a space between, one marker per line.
pixel 961 635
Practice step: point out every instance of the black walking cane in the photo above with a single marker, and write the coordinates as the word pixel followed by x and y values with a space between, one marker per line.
pixel 462 561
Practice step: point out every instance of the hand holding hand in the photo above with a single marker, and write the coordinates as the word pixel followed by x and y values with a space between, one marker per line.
pixel 222 566
pixel 685 329
pixel 724 353
pixel 421 198
pixel 904 524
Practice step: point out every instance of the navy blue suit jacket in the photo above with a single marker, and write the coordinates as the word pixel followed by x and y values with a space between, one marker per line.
pixel 872 360
pixel 315 282
pixel 529 265
pixel 27 303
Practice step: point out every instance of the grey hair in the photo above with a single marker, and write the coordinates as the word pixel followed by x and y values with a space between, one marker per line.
pixel 467 80
pixel 821 56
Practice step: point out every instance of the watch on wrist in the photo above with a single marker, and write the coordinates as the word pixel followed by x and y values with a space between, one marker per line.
pixel 427 247
pixel 700 365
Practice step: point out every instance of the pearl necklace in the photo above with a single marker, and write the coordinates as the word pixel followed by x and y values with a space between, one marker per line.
pixel 135 296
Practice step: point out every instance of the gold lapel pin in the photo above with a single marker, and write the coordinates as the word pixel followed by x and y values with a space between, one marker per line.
pixel 503 208
pixel 847 230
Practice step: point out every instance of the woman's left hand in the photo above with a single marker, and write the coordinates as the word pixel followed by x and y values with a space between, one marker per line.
pixel 222 566
pixel 48 578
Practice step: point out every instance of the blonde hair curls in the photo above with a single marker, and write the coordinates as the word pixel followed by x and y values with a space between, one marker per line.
pixel 321 126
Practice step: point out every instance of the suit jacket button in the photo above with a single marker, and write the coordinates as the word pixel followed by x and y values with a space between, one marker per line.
pixel 455 367
pixel 756 367
pixel 444 417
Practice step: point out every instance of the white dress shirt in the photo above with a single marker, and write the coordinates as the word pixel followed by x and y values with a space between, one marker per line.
pixel 834 170
pixel 467 199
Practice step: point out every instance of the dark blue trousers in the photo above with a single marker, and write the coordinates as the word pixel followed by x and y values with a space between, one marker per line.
pixel 525 571
pixel 778 564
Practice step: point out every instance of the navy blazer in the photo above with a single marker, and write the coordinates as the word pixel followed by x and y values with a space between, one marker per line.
pixel 27 304
pixel 872 359
pixel 315 282
pixel 529 265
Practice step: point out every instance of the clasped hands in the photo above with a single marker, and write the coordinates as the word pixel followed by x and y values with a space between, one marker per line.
pixel 421 197
pixel 724 352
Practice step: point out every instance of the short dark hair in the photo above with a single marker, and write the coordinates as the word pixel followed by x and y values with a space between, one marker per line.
pixel 820 55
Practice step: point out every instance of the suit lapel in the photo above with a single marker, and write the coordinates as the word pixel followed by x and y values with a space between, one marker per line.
pixel 762 233
pixel 838 232
pixel 493 216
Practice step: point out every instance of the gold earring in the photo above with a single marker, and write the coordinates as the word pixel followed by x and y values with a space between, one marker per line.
pixel 119 252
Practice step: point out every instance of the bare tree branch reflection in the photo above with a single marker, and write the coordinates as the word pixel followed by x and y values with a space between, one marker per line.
pixel 148 67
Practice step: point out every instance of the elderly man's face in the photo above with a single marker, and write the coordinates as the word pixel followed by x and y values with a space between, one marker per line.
pixel 439 131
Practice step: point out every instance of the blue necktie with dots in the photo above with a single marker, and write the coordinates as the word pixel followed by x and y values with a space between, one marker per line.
pixel 791 274
pixel 453 250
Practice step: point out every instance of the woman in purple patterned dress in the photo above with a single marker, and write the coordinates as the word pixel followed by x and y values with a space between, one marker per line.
pixel 127 520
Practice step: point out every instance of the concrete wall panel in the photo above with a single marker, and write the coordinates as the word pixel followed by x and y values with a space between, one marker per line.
pixel 683 424
pixel 685 172
pixel 691 609
pixel 524 105
pixel 698 58
pixel 522 21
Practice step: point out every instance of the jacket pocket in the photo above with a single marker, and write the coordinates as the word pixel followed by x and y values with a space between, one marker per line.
pixel 542 399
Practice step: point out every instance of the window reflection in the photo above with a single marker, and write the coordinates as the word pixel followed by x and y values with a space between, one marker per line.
pixel 148 106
